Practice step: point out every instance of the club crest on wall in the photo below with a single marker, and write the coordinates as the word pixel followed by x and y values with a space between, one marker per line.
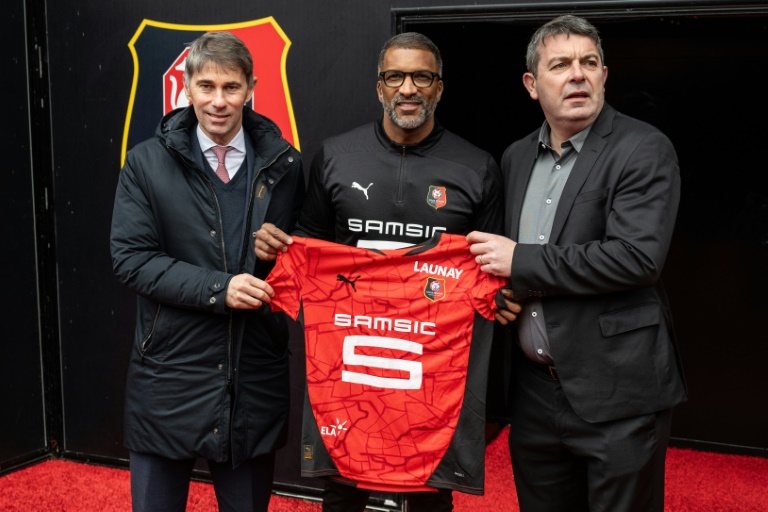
pixel 159 53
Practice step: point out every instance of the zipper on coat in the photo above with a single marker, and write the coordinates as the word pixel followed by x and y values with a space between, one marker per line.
pixel 226 269
pixel 221 228
pixel 145 341
pixel 224 261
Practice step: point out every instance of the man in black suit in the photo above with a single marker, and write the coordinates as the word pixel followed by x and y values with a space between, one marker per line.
pixel 591 200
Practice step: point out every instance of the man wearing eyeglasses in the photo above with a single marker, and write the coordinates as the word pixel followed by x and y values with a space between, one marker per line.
pixel 392 183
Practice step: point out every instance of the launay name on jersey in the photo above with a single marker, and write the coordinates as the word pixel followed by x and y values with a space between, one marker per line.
pixel 437 270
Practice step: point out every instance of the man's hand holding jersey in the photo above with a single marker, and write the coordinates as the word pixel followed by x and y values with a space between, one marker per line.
pixel 494 255
pixel 269 241
pixel 245 291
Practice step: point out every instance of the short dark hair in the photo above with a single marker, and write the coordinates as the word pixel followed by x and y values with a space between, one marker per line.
pixel 562 25
pixel 412 41
pixel 222 49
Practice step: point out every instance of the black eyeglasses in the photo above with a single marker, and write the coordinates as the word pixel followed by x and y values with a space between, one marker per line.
pixel 395 78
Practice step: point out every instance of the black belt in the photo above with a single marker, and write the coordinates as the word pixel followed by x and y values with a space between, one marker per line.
pixel 550 371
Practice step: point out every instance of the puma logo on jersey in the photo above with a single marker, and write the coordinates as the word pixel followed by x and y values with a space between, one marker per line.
pixel 359 187
pixel 437 270
pixel 351 282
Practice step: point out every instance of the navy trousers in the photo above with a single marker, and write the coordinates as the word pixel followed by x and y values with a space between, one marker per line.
pixel 162 485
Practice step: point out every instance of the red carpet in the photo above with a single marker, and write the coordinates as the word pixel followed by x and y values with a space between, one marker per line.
pixel 696 482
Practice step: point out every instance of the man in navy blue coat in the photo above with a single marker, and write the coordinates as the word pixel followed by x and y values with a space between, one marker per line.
pixel 208 375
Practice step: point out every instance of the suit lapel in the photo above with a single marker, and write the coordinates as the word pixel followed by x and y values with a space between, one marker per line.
pixel 516 187
pixel 585 162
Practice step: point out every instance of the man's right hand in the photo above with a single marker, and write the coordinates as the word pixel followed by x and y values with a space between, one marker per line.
pixel 269 241
pixel 492 252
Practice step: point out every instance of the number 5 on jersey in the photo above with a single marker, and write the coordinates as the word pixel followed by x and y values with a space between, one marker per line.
pixel 350 358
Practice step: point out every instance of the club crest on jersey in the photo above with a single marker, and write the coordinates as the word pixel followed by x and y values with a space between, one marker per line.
pixel 434 289
pixel 436 197
pixel 160 50
pixel 334 430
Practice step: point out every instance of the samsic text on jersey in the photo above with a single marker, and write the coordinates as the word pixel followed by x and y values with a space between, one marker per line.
pixel 397 355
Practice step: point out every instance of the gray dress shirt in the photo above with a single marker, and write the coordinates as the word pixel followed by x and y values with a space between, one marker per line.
pixel 550 172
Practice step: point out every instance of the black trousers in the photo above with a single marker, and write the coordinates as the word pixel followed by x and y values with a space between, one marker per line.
pixel 341 497
pixel 562 463
pixel 162 485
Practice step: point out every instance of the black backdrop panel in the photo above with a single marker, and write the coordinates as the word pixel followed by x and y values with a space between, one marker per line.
pixel 22 429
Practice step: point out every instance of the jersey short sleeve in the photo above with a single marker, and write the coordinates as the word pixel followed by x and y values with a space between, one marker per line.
pixel 286 279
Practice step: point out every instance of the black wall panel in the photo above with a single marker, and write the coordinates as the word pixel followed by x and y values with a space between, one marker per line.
pixel 22 429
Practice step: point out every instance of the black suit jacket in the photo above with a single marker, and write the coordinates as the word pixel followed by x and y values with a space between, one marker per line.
pixel 607 316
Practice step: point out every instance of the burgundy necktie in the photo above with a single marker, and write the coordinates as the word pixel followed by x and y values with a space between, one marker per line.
pixel 221 170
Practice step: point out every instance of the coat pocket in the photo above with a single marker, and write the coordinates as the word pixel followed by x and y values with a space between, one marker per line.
pixel 591 195
pixel 146 328
pixel 629 319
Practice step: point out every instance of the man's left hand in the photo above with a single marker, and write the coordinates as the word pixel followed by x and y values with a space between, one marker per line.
pixel 248 292
pixel 508 314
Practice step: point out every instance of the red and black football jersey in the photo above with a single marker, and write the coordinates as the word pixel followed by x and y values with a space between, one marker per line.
pixel 397 348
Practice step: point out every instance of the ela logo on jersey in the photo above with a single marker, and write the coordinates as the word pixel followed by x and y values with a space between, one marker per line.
pixel 434 289
pixel 436 197
pixel 334 430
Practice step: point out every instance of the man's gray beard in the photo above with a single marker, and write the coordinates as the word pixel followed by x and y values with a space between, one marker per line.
pixel 427 109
